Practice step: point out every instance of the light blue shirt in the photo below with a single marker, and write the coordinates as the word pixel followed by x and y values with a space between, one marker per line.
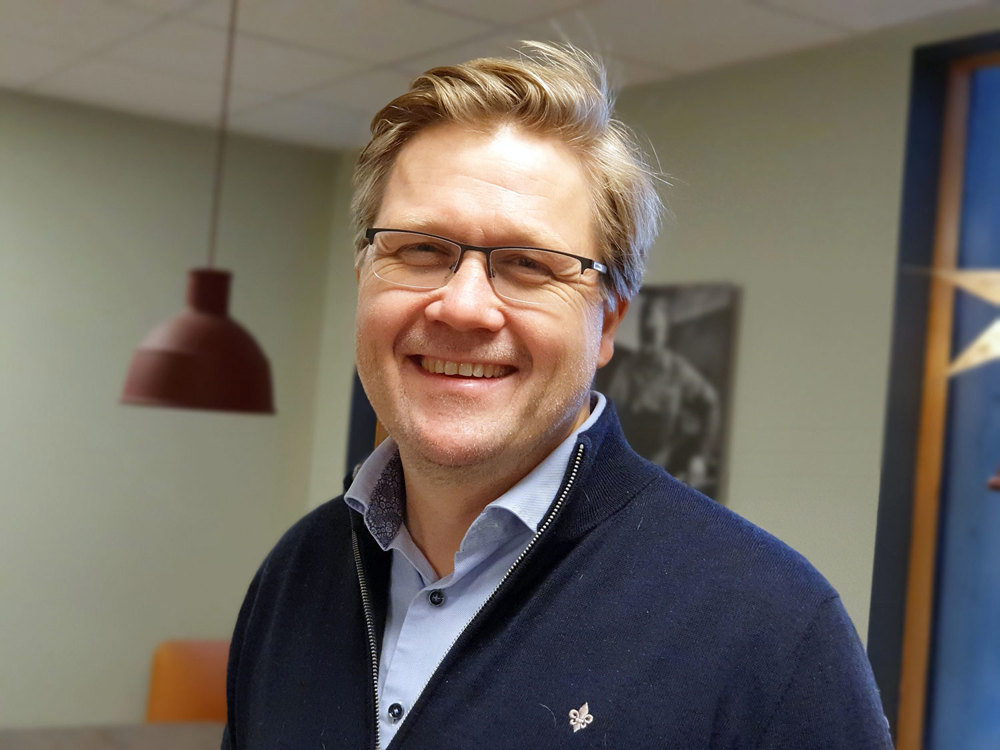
pixel 426 614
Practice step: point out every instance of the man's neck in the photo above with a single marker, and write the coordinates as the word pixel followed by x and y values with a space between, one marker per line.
pixel 442 502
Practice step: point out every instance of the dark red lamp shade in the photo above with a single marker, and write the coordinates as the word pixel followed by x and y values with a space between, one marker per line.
pixel 202 358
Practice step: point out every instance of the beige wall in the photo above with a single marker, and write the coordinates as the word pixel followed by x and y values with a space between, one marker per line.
pixel 787 181
pixel 336 355
pixel 121 526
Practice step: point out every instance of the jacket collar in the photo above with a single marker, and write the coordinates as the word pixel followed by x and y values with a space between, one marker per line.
pixel 609 476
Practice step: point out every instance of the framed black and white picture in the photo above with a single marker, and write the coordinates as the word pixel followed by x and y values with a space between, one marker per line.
pixel 671 375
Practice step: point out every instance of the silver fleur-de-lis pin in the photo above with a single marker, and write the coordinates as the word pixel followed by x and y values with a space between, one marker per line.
pixel 578 719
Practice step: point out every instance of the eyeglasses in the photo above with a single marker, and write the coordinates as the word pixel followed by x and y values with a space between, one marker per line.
pixel 522 274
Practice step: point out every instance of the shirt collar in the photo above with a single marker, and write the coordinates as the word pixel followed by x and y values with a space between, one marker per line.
pixel 378 492
pixel 379 495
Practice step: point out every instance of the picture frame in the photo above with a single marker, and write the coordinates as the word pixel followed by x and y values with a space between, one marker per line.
pixel 671 376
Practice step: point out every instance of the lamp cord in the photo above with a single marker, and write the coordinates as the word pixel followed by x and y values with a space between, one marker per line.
pixel 220 147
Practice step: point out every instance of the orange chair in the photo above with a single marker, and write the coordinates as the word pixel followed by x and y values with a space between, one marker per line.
pixel 188 681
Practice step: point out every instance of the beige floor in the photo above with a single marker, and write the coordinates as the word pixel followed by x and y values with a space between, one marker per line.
pixel 206 736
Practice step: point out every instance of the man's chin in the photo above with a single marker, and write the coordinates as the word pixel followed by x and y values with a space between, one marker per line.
pixel 452 454
pixel 453 446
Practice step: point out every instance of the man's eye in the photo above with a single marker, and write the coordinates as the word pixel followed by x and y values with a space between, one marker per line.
pixel 530 264
pixel 526 266
pixel 424 253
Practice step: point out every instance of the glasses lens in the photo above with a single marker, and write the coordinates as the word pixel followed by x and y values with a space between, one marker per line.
pixel 420 261
pixel 532 275
pixel 413 260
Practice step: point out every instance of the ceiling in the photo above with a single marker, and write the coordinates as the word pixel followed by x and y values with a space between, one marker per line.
pixel 314 71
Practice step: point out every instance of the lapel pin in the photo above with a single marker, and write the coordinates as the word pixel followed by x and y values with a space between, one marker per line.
pixel 578 719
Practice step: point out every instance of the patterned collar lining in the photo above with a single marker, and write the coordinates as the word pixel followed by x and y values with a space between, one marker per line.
pixel 385 506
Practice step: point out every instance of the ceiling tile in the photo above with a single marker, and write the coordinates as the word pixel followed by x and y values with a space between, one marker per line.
pixel 216 12
pixel 277 67
pixel 22 62
pixel 689 35
pixel 164 6
pixel 79 25
pixel 625 67
pixel 507 12
pixel 366 92
pixel 126 87
pixel 196 49
pixel 178 47
pixel 503 44
pixel 370 30
pixel 864 15
pixel 309 122
pixel 622 71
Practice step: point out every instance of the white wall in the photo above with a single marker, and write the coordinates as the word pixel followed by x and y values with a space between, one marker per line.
pixel 122 526
pixel 787 178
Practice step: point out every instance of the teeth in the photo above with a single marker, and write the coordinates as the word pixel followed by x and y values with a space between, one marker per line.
pixel 465 369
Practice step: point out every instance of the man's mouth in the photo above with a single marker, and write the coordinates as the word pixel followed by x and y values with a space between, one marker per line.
pixel 464 369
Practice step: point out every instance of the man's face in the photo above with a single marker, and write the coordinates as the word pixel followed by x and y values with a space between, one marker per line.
pixel 508 187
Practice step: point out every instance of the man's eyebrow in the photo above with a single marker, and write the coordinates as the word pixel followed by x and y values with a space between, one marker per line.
pixel 515 238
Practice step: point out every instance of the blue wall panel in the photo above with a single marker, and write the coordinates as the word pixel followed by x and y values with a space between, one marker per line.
pixel 964 700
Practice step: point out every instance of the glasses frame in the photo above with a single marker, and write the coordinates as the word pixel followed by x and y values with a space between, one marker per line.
pixel 585 263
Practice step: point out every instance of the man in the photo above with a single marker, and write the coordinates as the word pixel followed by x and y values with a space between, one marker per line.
pixel 505 572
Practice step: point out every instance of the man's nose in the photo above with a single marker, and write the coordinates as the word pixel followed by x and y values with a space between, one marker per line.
pixel 468 300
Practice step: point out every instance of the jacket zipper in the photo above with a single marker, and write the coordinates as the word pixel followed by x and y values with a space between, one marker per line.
pixel 370 623
pixel 546 523
pixel 369 620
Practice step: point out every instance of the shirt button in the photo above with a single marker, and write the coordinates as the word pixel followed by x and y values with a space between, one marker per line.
pixel 436 597
pixel 395 712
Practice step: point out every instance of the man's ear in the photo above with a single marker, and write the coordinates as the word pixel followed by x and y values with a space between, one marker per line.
pixel 613 314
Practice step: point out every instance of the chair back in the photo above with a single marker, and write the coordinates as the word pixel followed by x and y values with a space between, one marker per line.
pixel 188 681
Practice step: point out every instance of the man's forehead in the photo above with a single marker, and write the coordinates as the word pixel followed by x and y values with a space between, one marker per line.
pixel 520 182
pixel 508 146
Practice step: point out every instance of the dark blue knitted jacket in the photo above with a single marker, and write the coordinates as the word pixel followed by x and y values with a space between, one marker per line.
pixel 678 624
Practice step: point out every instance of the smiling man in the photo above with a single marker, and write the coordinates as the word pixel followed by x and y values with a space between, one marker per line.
pixel 505 571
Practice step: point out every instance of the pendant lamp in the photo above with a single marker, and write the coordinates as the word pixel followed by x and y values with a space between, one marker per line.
pixel 202 358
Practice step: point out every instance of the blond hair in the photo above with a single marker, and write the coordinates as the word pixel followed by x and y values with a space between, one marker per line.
pixel 556 90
